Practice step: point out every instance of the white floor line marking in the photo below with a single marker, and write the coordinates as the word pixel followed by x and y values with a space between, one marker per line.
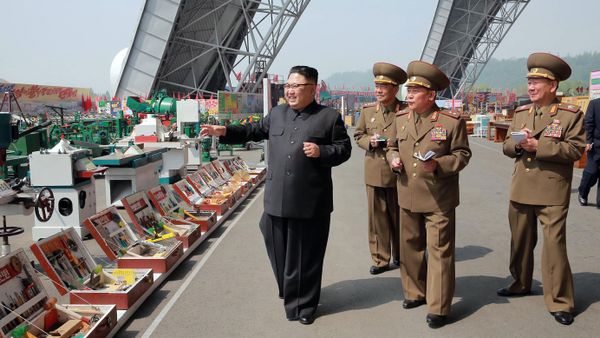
pixel 500 151
pixel 196 269
pixel 486 147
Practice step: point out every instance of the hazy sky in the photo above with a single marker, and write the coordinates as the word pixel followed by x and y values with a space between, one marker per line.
pixel 73 42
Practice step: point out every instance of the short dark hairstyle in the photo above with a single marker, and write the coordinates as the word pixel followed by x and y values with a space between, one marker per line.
pixel 310 73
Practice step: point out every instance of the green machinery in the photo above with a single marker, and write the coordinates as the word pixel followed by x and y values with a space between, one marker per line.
pixel 159 104
pixel 16 144
pixel 90 130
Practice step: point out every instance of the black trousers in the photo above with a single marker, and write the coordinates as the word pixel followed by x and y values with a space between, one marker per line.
pixel 589 178
pixel 296 248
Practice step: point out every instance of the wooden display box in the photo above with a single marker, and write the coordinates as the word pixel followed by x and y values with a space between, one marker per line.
pixel 217 181
pixel 240 165
pixel 239 173
pixel 208 187
pixel 236 181
pixel 168 203
pixel 149 222
pixel 192 196
pixel 70 267
pixel 259 171
pixel 24 294
pixel 119 242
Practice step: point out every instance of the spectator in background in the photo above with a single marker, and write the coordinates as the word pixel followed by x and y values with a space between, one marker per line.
pixel 592 149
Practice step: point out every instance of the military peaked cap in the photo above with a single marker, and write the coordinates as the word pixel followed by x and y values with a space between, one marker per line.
pixel 426 75
pixel 388 73
pixel 547 66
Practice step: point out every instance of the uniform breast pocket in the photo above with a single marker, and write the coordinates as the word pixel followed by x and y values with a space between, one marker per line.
pixel 402 136
pixel 317 137
pixel 276 131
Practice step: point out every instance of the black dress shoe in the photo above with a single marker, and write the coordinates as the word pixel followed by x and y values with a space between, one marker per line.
pixel 582 201
pixel 306 320
pixel 412 303
pixel 505 292
pixel 563 317
pixel 435 321
pixel 395 264
pixel 375 270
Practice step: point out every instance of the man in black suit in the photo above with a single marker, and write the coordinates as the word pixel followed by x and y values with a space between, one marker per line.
pixel 592 148
pixel 306 140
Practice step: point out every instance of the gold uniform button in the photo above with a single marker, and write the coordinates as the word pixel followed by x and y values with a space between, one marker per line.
pixel 414 174
pixel 384 129
pixel 414 165
pixel 529 159
pixel 383 157
pixel 527 170
pixel 416 144
pixel 415 154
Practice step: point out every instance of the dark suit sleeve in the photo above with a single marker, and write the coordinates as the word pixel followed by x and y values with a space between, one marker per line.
pixel 340 148
pixel 589 121
pixel 256 131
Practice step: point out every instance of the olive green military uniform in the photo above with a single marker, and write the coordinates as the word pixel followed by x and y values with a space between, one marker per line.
pixel 382 198
pixel 380 182
pixel 428 199
pixel 541 188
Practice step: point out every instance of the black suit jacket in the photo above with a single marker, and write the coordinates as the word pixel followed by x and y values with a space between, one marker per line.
pixel 297 186
pixel 592 128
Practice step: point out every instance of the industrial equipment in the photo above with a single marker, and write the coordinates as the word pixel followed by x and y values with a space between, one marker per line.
pixel 70 174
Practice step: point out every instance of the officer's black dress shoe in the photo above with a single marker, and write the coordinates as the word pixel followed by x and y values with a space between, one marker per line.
pixel 375 270
pixel 435 321
pixel 505 292
pixel 563 317
pixel 412 303
pixel 582 201
pixel 306 320
pixel 395 264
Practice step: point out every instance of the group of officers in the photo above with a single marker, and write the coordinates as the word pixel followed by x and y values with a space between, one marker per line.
pixel 412 198
pixel 414 152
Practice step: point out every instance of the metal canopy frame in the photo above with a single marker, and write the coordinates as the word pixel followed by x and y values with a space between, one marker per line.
pixel 465 34
pixel 197 47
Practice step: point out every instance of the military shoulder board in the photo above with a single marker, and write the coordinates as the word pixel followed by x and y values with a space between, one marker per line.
pixel 369 105
pixel 452 114
pixel 569 107
pixel 523 108
pixel 402 112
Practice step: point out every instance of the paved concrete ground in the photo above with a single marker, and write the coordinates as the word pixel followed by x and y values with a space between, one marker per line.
pixel 227 289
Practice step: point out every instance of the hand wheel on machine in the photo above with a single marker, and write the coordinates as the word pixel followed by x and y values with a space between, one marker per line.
pixel 44 205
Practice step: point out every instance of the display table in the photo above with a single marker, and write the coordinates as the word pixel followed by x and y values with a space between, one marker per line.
pixel 500 128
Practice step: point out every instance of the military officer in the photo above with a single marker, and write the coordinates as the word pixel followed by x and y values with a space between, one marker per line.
pixel 428 191
pixel 552 138
pixel 372 132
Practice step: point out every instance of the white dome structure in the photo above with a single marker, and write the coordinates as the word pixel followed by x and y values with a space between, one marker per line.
pixel 116 68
